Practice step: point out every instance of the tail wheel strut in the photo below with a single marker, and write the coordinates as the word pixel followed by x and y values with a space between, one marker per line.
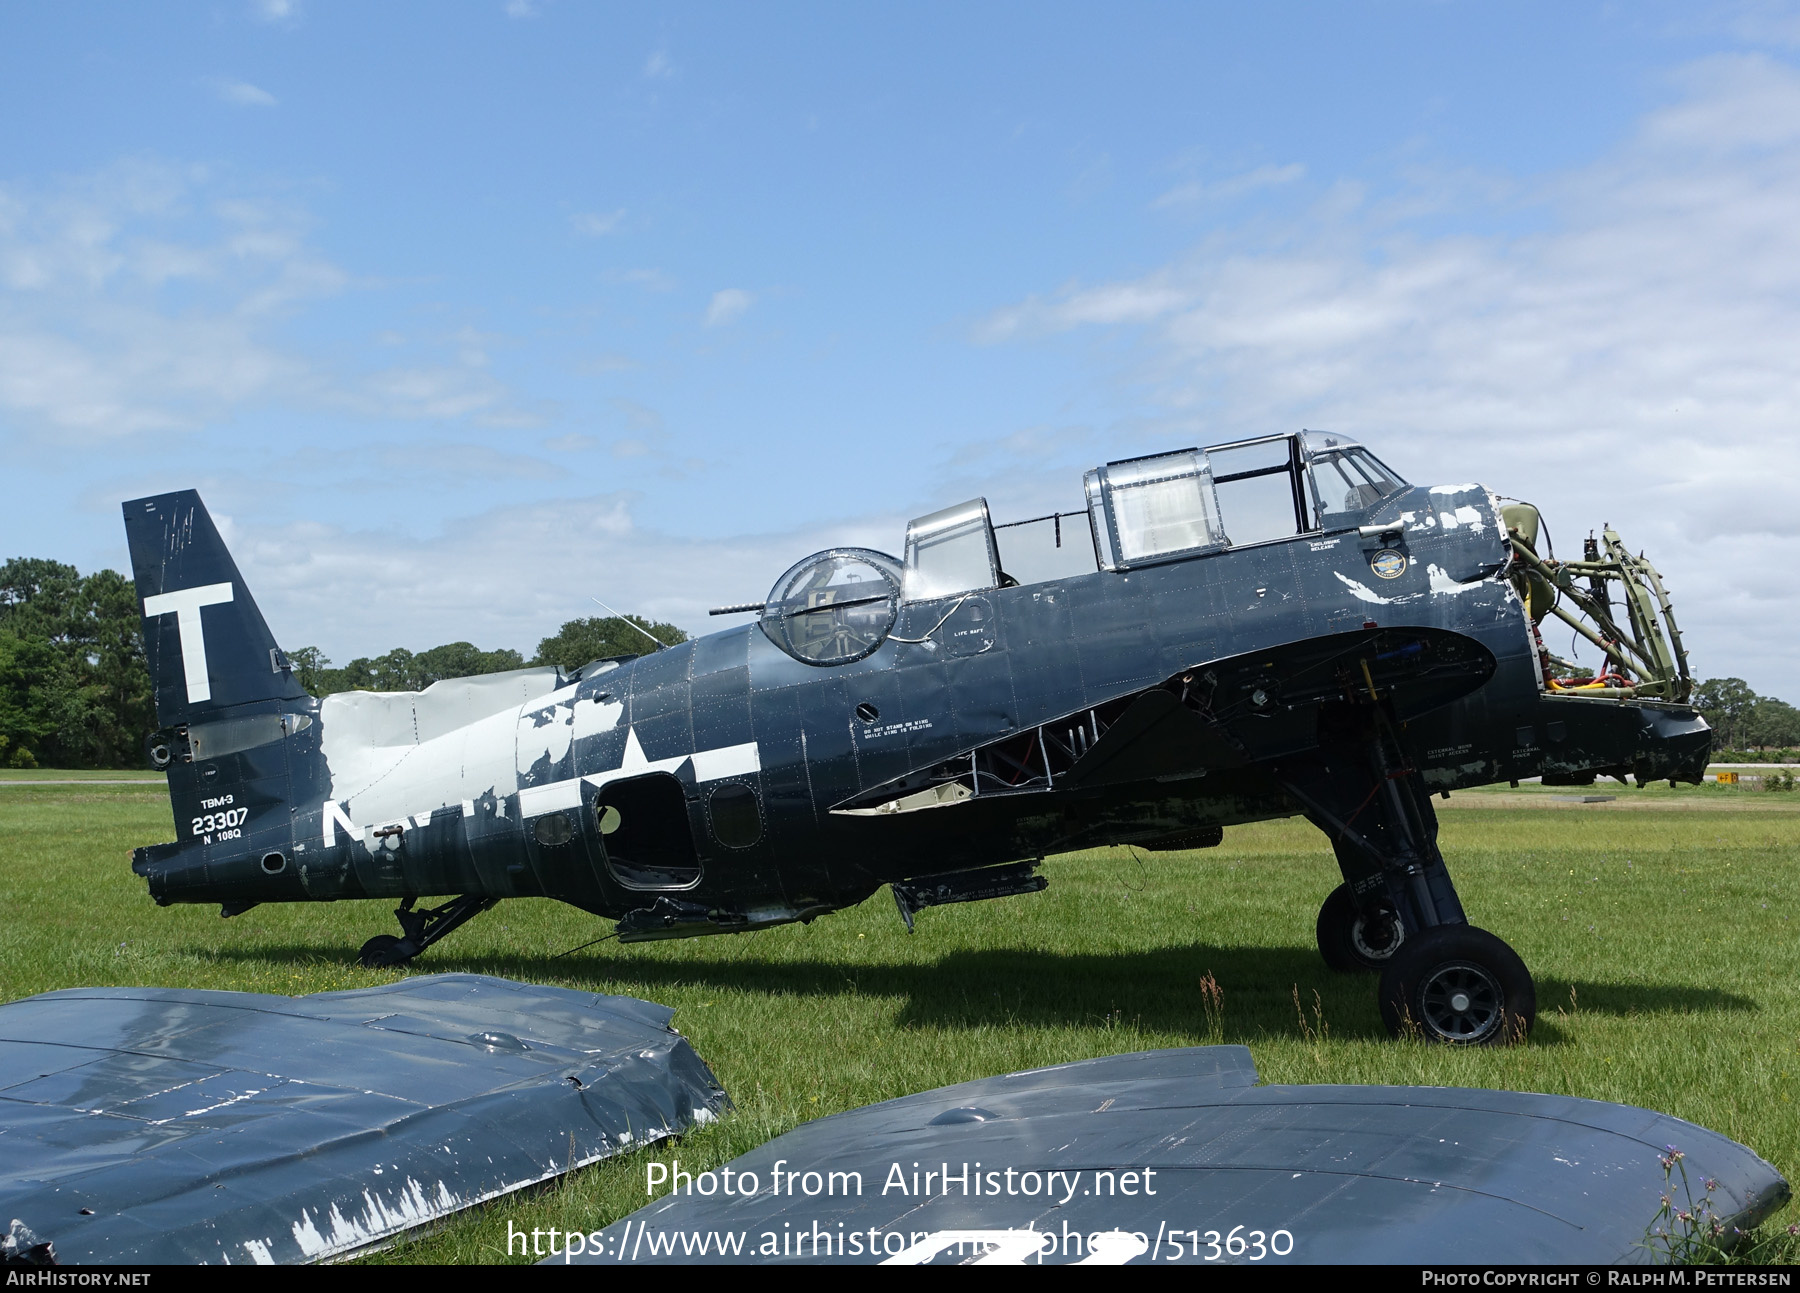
pixel 421 929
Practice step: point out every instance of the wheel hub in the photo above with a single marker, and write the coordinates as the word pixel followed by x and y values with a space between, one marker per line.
pixel 1460 1002
pixel 1378 939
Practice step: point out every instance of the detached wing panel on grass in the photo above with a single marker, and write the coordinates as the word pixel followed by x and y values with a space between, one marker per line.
pixel 1350 1173
pixel 152 1125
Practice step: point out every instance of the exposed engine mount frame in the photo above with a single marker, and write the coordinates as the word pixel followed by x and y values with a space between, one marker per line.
pixel 1644 656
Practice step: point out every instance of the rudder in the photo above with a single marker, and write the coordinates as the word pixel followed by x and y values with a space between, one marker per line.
pixel 206 644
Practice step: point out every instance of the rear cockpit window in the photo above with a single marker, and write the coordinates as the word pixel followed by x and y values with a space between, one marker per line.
pixel 1192 502
pixel 1258 485
pixel 1152 508
pixel 951 552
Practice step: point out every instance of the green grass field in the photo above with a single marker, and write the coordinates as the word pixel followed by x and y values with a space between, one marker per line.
pixel 1662 930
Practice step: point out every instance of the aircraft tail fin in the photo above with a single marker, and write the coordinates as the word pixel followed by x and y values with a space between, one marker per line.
pixel 206 643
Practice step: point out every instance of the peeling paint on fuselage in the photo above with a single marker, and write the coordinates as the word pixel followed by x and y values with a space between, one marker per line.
pixel 458 782
pixel 1361 591
pixel 1441 583
pixel 393 754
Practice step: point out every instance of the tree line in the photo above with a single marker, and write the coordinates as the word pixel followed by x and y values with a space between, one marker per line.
pixel 75 691
pixel 1741 720
pixel 578 642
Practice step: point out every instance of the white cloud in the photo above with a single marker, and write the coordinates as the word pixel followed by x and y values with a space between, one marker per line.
pixel 1630 359
pixel 658 67
pixel 458 461
pixel 418 462
pixel 650 440
pixel 136 373
pixel 1762 22
pixel 1130 302
pixel 727 306
pixel 244 94
pixel 574 442
pixel 1029 444
pixel 141 298
pixel 443 391
pixel 86 344
pixel 597 225
pixel 521 9
pixel 276 11
pixel 653 280
pixel 1195 192
pixel 487 578
pixel 639 417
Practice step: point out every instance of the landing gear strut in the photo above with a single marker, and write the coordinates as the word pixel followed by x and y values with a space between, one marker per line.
pixel 1397 912
pixel 421 929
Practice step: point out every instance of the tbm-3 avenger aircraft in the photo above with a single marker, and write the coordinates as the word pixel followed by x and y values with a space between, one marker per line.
pixel 1273 627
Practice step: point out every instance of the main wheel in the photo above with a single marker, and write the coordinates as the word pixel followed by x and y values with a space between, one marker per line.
pixel 385 949
pixel 1352 942
pixel 1458 985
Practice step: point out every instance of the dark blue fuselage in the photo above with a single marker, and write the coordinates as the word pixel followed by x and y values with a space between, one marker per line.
pixel 746 787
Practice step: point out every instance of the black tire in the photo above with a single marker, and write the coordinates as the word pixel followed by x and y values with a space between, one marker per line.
pixel 385 950
pixel 1460 986
pixel 1352 943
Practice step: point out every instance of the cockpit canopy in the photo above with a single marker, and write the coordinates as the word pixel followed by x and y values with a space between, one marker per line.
pixel 1347 480
pixel 836 606
pixel 951 552
pixel 840 605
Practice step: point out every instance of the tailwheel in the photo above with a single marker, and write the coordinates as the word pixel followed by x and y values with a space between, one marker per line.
pixel 423 928
pixel 1458 985
pixel 384 950
pixel 1353 941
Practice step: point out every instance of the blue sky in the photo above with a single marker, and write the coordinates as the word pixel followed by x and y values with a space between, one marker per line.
pixel 461 314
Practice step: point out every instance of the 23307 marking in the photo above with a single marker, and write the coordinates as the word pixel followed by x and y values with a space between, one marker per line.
pixel 211 823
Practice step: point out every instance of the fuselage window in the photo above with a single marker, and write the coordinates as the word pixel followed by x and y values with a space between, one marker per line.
pixel 736 820
pixel 951 552
pixel 1259 490
pixel 1153 507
